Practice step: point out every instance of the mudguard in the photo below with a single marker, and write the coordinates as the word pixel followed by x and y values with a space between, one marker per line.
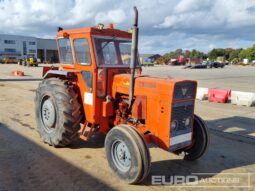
pixel 59 73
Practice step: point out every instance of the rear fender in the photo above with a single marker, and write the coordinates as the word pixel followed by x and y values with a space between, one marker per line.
pixel 47 68
pixel 61 74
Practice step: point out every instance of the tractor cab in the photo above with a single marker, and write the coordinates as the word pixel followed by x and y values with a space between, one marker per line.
pixel 96 55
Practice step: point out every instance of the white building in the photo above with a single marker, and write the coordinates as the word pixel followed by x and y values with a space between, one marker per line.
pixel 20 47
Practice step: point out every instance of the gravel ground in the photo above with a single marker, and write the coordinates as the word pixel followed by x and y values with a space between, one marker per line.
pixel 26 163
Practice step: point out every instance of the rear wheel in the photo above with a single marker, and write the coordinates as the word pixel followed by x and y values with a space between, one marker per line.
pixel 200 141
pixel 127 154
pixel 58 113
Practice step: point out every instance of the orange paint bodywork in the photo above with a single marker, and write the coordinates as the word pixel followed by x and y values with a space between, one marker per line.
pixel 159 94
pixel 155 94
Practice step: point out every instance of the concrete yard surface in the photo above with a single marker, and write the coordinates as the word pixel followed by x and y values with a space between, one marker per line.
pixel 237 78
pixel 26 163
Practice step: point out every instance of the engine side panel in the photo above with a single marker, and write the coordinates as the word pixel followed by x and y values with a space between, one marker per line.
pixel 166 100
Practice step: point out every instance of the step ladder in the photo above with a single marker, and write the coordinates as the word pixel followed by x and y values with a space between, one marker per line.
pixel 86 131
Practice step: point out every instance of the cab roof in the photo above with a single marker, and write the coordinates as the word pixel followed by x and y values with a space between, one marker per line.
pixel 95 31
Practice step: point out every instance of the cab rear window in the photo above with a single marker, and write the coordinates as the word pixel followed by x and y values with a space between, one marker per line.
pixel 65 51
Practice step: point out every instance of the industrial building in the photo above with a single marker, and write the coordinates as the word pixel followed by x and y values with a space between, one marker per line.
pixel 20 47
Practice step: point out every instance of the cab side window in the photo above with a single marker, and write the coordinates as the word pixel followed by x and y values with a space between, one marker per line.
pixel 82 52
pixel 65 51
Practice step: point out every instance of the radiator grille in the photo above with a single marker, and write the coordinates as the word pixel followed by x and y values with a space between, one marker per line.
pixel 184 90
pixel 180 113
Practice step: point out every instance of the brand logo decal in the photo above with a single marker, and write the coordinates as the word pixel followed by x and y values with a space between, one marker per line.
pixel 184 91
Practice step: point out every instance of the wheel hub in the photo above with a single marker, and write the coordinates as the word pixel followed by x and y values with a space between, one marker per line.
pixel 48 114
pixel 121 155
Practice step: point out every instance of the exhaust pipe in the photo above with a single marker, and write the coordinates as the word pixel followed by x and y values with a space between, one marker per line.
pixel 134 58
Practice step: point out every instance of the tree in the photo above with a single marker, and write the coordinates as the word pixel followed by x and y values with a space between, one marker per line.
pixel 175 54
pixel 247 53
pixel 228 52
pixel 234 54
pixel 160 60
pixel 194 54
pixel 214 53
pixel 187 54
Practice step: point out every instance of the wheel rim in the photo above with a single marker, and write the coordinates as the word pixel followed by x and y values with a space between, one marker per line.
pixel 48 114
pixel 121 155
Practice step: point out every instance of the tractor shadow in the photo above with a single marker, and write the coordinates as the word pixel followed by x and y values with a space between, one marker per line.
pixel 224 152
pixel 237 125
pixel 95 141
pixel 38 168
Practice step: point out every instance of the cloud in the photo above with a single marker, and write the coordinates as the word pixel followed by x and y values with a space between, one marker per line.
pixel 115 16
pixel 185 41
pixel 164 25
pixel 210 14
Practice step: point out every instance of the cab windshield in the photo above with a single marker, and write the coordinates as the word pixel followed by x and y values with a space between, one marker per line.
pixel 113 51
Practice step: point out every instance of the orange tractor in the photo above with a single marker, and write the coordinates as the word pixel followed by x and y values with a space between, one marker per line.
pixel 99 88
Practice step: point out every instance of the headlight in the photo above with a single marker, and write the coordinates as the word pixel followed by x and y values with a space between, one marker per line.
pixel 174 124
pixel 187 121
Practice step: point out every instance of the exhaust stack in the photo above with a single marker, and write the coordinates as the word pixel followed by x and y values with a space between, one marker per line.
pixel 134 58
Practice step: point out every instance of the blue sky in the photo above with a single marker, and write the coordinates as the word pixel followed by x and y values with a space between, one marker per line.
pixel 165 25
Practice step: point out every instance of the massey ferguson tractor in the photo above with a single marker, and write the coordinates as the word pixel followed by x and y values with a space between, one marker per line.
pixel 99 88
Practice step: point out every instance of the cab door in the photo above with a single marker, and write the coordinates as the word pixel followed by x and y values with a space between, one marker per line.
pixel 84 62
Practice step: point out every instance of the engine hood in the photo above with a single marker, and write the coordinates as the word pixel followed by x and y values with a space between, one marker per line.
pixel 144 85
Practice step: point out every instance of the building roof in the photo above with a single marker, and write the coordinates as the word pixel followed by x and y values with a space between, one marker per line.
pixel 23 36
pixel 149 55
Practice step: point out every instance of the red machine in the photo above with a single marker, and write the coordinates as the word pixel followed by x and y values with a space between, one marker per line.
pixel 99 88
pixel 181 60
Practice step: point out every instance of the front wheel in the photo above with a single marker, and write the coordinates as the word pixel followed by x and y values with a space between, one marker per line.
pixel 127 154
pixel 200 141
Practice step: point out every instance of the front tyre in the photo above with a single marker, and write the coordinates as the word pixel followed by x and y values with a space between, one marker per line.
pixel 200 140
pixel 58 113
pixel 199 144
pixel 127 154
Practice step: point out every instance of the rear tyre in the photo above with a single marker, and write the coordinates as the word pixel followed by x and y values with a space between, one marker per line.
pixel 58 112
pixel 127 154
